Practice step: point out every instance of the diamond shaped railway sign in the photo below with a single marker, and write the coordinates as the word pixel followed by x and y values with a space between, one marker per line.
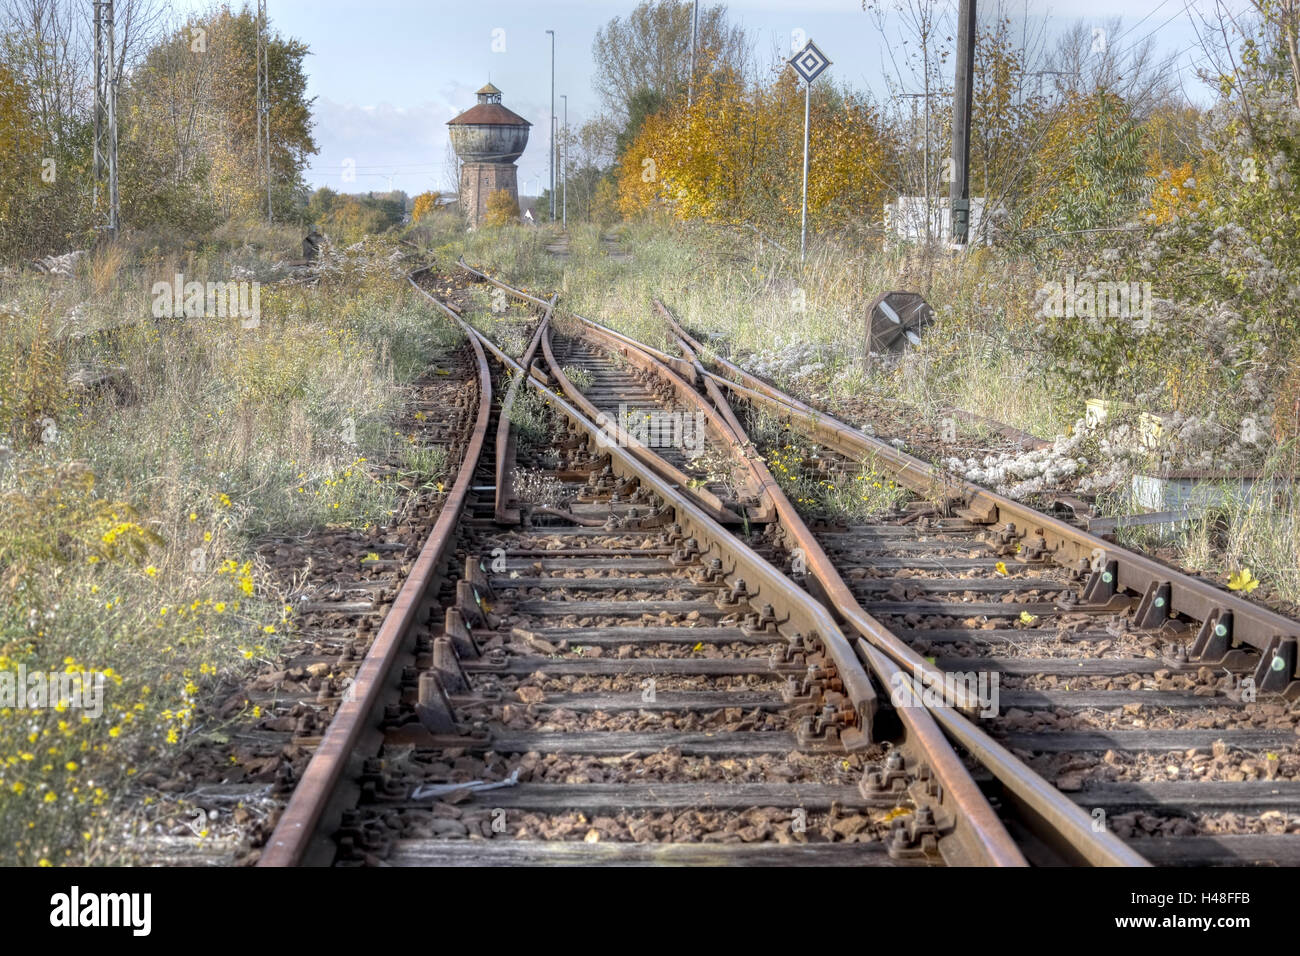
pixel 809 62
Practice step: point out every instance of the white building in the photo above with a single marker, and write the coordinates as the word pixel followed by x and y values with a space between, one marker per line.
pixel 905 220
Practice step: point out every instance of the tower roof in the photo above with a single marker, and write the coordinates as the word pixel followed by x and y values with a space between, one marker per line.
pixel 489 112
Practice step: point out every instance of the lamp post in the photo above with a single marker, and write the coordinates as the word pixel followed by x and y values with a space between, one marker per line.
pixel 564 164
pixel 552 156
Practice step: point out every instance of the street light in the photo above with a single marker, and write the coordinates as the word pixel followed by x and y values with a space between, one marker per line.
pixel 564 162
pixel 552 156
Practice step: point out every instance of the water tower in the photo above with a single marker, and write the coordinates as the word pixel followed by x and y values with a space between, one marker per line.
pixel 488 138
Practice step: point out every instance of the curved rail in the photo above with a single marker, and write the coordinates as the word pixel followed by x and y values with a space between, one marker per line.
pixel 987 838
pixel 357 714
pixel 994 844
pixel 1227 620
pixel 505 470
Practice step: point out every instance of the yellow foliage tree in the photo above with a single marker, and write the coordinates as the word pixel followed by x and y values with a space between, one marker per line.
pixel 736 154
pixel 501 209
pixel 424 204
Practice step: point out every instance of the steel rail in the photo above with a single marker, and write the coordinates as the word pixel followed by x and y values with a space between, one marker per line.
pixel 1067 821
pixel 1227 620
pixel 718 424
pixel 622 437
pixel 505 444
pixel 359 712
pixel 886 654
pixel 806 614
pixel 681 375
pixel 991 844
pixel 684 369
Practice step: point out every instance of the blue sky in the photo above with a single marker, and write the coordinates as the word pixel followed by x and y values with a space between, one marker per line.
pixel 388 74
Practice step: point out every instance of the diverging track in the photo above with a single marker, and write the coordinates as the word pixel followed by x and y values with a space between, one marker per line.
pixel 623 643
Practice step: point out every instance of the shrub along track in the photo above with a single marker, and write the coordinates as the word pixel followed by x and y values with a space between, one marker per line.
pixel 226 790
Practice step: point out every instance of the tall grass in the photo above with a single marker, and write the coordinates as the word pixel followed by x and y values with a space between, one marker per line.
pixel 127 525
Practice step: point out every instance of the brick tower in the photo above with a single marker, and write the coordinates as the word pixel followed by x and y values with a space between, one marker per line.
pixel 488 138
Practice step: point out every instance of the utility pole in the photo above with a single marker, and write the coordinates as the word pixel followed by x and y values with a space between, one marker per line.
pixel 106 110
pixel 690 81
pixel 551 160
pixel 264 101
pixel 564 162
pixel 963 94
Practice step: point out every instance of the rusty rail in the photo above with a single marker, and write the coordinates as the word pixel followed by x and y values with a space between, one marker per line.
pixel 980 826
pixel 358 714
pixel 981 832
pixel 505 445
pixel 1227 620
pixel 711 535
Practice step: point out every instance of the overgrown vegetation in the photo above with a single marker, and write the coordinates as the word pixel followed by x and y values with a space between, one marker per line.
pixel 128 510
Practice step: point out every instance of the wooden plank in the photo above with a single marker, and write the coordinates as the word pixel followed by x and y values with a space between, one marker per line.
pixel 961 608
pixel 646 666
pixel 1103 699
pixel 1226 850
pixel 502 582
pixel 617 636
pixel 1152 740
pixel 1194 796
pixel 1059 666
pixel 745 744
pixel 605 554
pixel 510 852
pixel 618 797
pixel 937 564
pixel 665 701
pixel 615 608
pixel 1006 635
pixel 612 564
pixel 957 585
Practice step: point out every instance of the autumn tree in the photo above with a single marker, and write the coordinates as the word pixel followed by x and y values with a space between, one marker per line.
pixel 735 155
pixel 648 52
pixel 189 124
pixel 501 209
pixel 425 203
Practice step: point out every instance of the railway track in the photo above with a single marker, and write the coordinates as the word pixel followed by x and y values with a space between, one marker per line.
pixel 599 658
